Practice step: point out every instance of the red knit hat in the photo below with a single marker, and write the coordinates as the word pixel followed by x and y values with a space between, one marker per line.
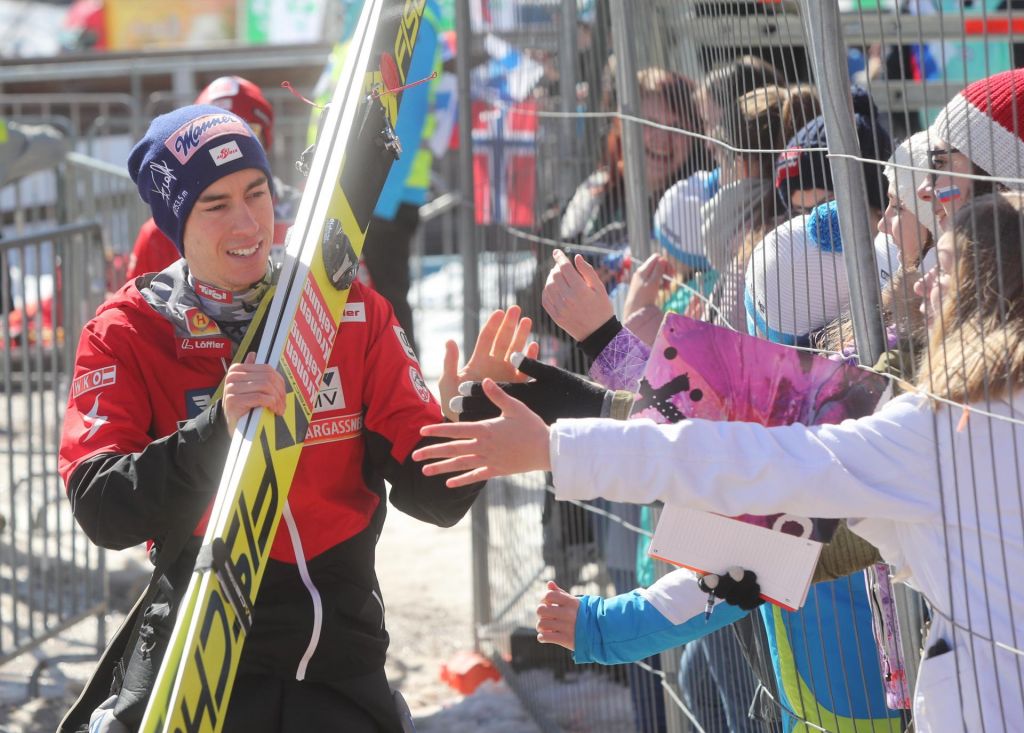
pixel 245 99
pixel 985 122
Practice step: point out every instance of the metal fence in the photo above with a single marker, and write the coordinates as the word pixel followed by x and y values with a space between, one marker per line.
pixel 67 233
pixel 51 576
pixel 711 133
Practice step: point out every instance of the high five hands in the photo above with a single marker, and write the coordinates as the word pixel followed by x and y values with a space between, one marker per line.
pixel 514 442
pixel 503 334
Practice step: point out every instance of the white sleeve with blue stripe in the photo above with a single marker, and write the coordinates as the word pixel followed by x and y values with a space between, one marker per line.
pixel 635 625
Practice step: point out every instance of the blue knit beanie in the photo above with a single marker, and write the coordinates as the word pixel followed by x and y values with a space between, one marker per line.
pixel 185 151
pixel 800 167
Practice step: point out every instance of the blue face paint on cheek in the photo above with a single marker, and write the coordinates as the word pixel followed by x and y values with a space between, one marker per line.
pixel 947 193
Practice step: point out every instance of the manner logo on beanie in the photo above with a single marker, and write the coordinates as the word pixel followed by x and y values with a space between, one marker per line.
pixel 183 153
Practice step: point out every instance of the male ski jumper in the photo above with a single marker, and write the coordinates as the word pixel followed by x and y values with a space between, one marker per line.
pixel 144 446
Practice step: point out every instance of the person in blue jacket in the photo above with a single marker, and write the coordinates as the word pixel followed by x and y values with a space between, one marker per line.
pixel 396 216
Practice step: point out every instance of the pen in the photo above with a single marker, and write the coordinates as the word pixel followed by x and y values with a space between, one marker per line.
pixel 709 607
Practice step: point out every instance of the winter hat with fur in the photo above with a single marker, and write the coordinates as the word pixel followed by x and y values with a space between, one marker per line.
pixel 985 122
pixel 185 151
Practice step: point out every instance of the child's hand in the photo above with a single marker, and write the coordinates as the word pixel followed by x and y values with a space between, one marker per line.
pixel 575 296
pixel 556 617
pixel 645 284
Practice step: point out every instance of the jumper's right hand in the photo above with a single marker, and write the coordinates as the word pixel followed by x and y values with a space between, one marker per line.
pixel 249 385
pixel 556 617
pixel 575 297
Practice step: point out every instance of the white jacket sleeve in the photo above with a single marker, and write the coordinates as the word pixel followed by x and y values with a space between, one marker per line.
pixel 883 465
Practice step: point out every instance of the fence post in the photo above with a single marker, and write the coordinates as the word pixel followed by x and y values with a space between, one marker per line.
pixel 824 35
pixel 470 299
pixel 628 95
pixel 567 84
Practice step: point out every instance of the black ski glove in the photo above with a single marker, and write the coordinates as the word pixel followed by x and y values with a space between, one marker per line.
pixel 737 587
pixel 552 393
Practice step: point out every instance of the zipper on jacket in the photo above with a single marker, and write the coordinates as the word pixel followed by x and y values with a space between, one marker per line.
pixel 318 608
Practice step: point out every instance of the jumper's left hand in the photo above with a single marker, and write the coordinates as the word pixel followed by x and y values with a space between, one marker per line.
pixel 515 442
pixel 502 335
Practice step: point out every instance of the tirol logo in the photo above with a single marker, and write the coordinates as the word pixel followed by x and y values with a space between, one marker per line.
pixel 211 293
pixel 187 139
pixel 226 153
pixel 162 177
pixel 200 324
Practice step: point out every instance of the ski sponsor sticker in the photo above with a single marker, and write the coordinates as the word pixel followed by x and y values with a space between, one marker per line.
pixel 213 293
pixel 97 378
pixel 309 344
pixel 330 397
pixel 331 429
pixel 226 153
pixel 193 135
pixel 403 341
pixel 200 324
pixel 418 384
pixel 354 313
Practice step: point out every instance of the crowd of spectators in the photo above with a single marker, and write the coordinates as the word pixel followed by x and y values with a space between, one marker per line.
pixel 749 238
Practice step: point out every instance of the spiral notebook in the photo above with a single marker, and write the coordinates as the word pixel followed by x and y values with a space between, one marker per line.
pixel 698 370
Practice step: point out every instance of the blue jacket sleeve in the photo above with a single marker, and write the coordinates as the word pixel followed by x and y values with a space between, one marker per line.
pixel 627 628
pixel 412 117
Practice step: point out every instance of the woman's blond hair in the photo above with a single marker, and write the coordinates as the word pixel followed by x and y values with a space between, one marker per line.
pixel 976 348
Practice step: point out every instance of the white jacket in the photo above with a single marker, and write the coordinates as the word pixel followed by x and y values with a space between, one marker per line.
pixel 938 494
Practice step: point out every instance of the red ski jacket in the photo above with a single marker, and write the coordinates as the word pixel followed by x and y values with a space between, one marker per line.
pixel 143 448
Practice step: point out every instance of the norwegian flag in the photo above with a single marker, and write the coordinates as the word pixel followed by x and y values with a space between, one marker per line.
pixel 504 163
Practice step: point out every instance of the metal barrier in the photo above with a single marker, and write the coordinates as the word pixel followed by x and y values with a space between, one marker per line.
pixel 100 192
pixel 631 135
pixel 51 575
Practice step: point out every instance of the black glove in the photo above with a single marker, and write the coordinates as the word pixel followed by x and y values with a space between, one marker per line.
pixel 552 393
pixel 737 587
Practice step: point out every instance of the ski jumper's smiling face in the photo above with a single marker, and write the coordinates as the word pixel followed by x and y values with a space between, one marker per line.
pixel 228 234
